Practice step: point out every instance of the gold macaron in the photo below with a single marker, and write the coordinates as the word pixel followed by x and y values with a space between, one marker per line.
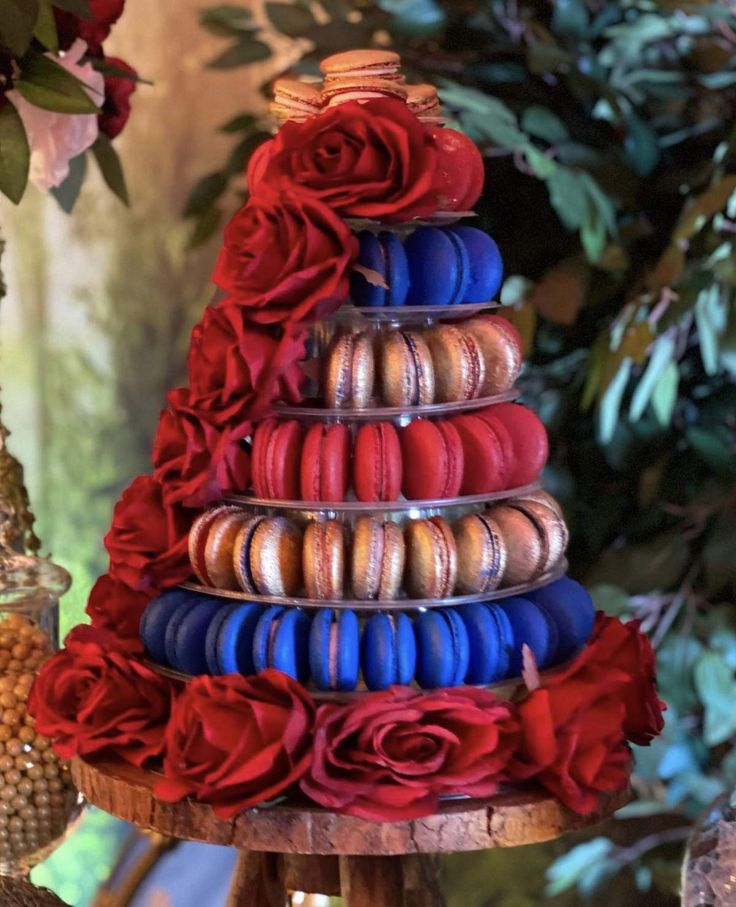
pixel 481 553
pixel 267 556
pixel 323 560
pixel 431 558
pixel 501 355
pixel 458 363
pixel 349 372
pixel 377 559
pixel 406 369
pixel 526 544
pixel 218 549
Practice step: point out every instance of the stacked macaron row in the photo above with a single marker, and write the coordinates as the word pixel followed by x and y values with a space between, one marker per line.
pixel 432 267
pixel 511 544
pixel 356 75
pixel 480 643
pixel 494 449
pixel 447 363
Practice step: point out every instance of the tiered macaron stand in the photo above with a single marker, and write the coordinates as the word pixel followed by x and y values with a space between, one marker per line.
pixel 296 845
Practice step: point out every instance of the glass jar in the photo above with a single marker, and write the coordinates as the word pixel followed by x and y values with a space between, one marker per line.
pixel 37 798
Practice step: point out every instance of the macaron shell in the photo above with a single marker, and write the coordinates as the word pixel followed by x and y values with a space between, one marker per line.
pixel 349 372
pixel 435 268
pixel 325 463
pixel 281 641
pixel 525 545
pixel 486 465
pixel 529 438
pixel 458 363
pixel 397 268
pixel 276 452
pixel 370 256
pixel 460 170
pixel 323 560
pixel 197 540
pixel 433 454
pixel 553 526
pixel 406 369
pixel 481 553
pixel 501 357
pixel 377 463
pixel 172 629
pixel 533 627
pixel 443 649
pixel 276 557
pixel 334 650
pixel 388 651
pixel 234 642
pixel 218 552
pixel 242 565
pixel 431 559
pixel 156 618
pixel 570 606
pixel 486 662
pixel 485 264
pixel 188 644
pixel 211 639
pixel 393 561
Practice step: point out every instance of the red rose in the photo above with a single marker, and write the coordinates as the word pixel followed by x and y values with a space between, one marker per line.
pixel 116 107
pixel 237 370
pixel 235 742
pixel 389 755
pixel 105 13
pixel 147 541
pixel 624 648
pixel 363 160
pixel 287 258
pixel 572 737
pixel 194 462
pixel 115 607
pixel 92 697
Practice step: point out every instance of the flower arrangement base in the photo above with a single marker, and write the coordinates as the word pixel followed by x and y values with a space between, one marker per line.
pixel 294 846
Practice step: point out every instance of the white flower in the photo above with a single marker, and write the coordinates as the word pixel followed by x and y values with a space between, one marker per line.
pixel 56 138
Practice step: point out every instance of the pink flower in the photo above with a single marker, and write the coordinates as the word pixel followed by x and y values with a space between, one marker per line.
pixel 56 138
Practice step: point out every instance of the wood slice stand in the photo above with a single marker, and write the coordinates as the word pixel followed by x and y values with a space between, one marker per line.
pixel 305 848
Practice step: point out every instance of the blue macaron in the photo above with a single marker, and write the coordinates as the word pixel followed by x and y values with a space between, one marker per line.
pixel 531 625
pixel 491 641
pixel 486 264
pixel 155 620
pixel 389 651
pixel 570 606
pixel 443 649
pixel 385 255
pixel 187 633
pixel 334 649
pixel 439 267
pixel 210 642
pixel 281 641
pixel 232 640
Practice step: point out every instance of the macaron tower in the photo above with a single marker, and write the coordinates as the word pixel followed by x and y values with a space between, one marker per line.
pixel 345 524
pixel 394 530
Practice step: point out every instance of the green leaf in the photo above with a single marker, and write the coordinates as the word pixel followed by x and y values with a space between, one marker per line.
pixel 110 167
pixel 68 192
pixel 543 124
pixel 711 318
pixel 242 53
pixel 661 356
pixel 205 193
pixel 17 22
pixel 570 17
pixel 568 197
pixel 415 17
pixel 610 404
pixel 664 396
pixel 226 19
pixel 675 660
pixel 612 599
pixel 46 84
pixel 292 19
pixel 239 123
pixel 593 237
pixel 566 870
pixel 80 8
pixel 716 688
pixel 542 165
pixel 641 145
pixel 205 227
pixel 15 154
pixel 45 30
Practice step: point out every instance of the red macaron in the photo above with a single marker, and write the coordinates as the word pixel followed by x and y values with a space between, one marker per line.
pixel 377 463
pixel 277 448
pixel 325 463
pixel 528 437
pixel 460 169
pixel 433 460
pixel 487 454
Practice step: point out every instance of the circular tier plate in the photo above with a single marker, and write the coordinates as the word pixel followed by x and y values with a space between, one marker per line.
pixel 438 219
pixel 384 507
pixel 522 816
pixel 402 604
pixel 408 314
pixel 401 414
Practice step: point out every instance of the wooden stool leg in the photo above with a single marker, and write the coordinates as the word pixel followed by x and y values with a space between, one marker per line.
pixel 421 888
pixel 311 874
pixel 372 881
pixel 257 881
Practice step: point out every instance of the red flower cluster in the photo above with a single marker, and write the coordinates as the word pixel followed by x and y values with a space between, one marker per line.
pixel 236 742
pixel 120 80
pixel 117 609
pixel 91 697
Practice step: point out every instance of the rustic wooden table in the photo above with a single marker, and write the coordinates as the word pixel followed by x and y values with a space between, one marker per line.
pixel 300 847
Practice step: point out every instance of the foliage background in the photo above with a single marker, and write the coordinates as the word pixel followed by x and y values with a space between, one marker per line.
pixel 607 129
